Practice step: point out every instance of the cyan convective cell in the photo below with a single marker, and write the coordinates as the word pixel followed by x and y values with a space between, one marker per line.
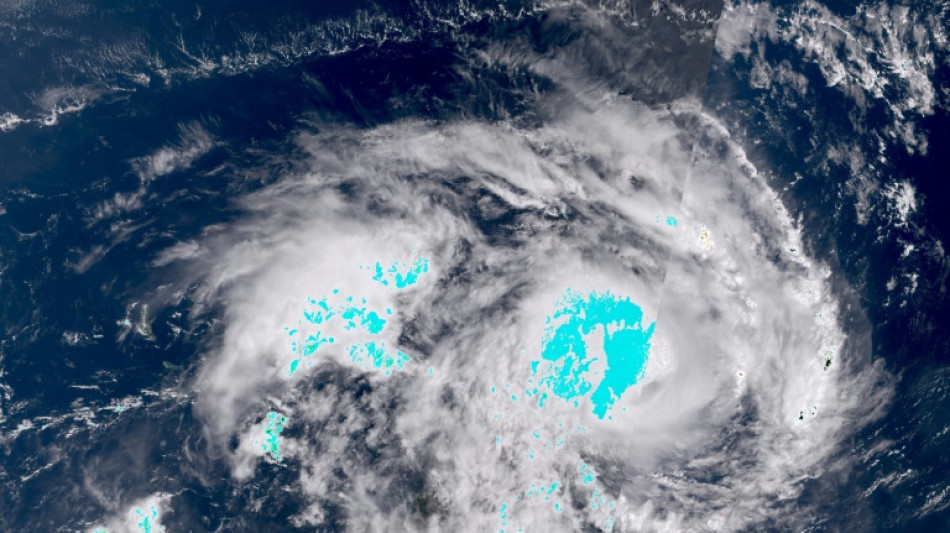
pixel 369 320
pixel 353 314
pixel 586 473
pixel 565 350
pixel 400 275
pixel 375 353
pixel 147 520
pixel 597 499
pixel 275 424
pixel 671 221
pixel 548 492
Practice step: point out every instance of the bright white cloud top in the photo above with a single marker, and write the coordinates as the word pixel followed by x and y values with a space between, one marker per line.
pixel 539 328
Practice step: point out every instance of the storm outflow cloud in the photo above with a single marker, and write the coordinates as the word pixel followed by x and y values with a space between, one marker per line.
pixel 442 416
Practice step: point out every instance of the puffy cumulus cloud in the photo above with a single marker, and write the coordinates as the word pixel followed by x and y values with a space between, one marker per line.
pixel 882 52
pixel 749 386
pixel 141 516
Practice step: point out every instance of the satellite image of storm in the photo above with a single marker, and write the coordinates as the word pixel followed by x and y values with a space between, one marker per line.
pixel 502 266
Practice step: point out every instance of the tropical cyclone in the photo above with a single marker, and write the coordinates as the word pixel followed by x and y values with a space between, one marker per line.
pixel 569 356
pixel 477 265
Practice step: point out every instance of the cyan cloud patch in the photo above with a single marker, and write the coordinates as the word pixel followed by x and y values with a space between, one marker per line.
pixel 353 314
pixel 566 359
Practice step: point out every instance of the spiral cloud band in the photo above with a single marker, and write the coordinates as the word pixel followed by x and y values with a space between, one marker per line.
pixel 607 320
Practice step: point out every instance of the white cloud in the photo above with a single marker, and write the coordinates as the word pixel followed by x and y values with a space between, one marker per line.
pixel 194 141
pixel 141 516
pixel 739 381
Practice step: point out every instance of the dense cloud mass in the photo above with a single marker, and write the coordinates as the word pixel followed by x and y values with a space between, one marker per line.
pixel 750 380
pixel 552 266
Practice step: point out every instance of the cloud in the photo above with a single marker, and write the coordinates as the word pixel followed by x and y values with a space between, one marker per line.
pixel 750 386
pixel 881 54
pixel 141 516
pixel 194 141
